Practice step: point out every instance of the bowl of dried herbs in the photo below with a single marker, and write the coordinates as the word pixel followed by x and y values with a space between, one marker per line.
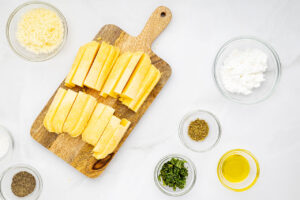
pixel 175 175
pixel 199 130
pixel 20 181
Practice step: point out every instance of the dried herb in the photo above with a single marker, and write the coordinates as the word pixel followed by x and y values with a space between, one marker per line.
pixel 198 130
pixel 23 184
pixel 173 173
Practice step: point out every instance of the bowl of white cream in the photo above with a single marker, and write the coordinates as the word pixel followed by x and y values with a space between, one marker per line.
pixel 246 70
pixel 6 145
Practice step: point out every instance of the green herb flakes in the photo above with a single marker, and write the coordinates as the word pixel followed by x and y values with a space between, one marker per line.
pixel 173 174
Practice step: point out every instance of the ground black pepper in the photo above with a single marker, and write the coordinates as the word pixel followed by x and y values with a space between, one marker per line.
pixel 198 130
pixel 23 184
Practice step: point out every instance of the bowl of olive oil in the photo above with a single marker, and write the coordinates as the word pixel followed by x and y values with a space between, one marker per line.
pixel 238 170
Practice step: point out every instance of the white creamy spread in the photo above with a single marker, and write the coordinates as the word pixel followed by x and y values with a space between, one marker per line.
pixel 4 143
pixel 243 70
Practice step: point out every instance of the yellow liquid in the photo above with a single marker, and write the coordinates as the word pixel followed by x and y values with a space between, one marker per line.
pixel 236 168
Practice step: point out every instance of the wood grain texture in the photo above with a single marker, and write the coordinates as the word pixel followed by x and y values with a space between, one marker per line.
pixel 73 150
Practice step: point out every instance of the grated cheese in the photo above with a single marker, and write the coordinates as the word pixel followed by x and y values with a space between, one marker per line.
pixel 40 30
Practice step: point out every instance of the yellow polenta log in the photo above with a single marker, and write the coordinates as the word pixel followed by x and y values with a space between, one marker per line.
pixel 98 63
pixel 91 132
pixel 152 73
pixel 76 112
pixel 137 78
pixel 70 76
pixel 53 108
pixel 97 124
pixel 115 75
pixel 115 140
pixel 147 92
pixel 107 134
pixel 63 111
pixel 85 116
pixel 127 72
pixel 85 63
pixel 107 67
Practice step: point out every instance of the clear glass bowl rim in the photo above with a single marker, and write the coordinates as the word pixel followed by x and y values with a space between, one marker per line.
pixel 274 53
pixel 30 168
pixel 52 54
pixel 180 129
pixel 162 161
pixel 257 166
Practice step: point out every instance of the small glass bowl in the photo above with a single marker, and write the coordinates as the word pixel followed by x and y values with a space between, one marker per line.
pixel 190 182
pixel 253 174
pixel 272 74
pixel 6 180
pixel 211 139
pixel 10 148
pixel 12 26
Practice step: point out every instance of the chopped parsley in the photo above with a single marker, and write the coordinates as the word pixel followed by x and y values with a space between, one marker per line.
pixel 173 174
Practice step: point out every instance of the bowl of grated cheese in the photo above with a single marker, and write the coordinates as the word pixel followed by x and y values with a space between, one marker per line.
pixel 246 70
pixel 36 31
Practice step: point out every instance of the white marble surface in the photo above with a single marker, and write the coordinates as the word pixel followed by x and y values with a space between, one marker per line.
pixel 270 129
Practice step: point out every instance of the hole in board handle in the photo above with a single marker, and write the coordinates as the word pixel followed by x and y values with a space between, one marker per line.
pixel 162 14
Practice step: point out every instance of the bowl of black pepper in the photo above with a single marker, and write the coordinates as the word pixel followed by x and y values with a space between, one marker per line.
pixel 199 130
pixel 175 175
pixel 21 182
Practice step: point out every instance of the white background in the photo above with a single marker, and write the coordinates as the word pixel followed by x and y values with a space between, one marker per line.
pixel 270 130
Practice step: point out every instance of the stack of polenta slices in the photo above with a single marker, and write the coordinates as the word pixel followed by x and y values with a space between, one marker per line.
pixel 78 113
pixel 128 76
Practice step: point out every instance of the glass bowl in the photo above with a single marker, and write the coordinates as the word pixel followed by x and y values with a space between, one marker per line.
pixel 211 139
pixel 12 25
pixel 272 74
pixel 190 182
pixel 253 174
pixel 7 150
pixel 6 180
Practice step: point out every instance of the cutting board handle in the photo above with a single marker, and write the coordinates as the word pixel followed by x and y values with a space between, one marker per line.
pixel 157 22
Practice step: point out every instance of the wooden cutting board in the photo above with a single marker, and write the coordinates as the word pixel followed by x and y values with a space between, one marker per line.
pixel 73 150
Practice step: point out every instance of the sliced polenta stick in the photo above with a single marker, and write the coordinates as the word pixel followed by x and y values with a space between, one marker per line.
pixel 97 123
pixel 115 75
pixel 84 118
pixel 75 112
pixel 63 111
pixel 137 78
pixel 97 65
pixel 152 73
pixel 112 57
pixel 85 63
pixel 127 72
pixel 53 108
pixel 70 76
pixel 107 134
pixel 115 140
pixel 91 132
pixel 79 114
pixel 147 92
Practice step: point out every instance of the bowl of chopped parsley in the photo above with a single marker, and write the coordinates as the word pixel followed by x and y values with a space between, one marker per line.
pixel 175 175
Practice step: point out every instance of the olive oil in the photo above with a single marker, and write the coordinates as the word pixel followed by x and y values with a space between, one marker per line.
pixel 236 168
